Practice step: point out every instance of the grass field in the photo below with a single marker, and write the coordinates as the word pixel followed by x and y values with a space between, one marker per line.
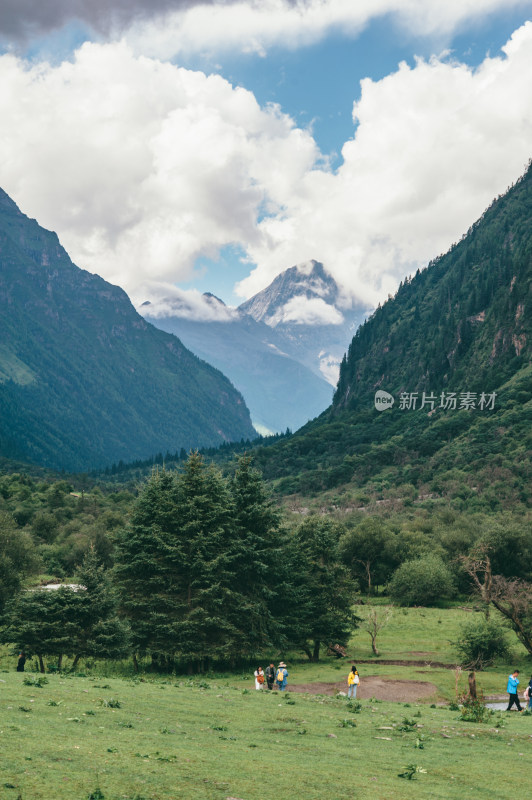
pixel 184 739
pixel 215 737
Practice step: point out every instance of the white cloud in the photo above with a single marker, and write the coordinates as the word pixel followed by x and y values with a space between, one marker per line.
pixel 161 300
pixel 434 144
pixel 307 311
pixel 142 167
pixel 256 26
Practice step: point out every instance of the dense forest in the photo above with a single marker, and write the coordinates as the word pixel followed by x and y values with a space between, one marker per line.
pixel 201 568
pixel 462 329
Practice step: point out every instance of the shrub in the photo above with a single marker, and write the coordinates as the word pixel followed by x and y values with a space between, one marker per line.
pixel 481 641
pixel 423 581
pixel 474 710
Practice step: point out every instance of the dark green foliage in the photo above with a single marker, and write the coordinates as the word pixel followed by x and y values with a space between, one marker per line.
pixel 255 553
pixel 84 380
pixel 321 589
pixel 372 552
pixel 197 566
pixel 78 622
pixel 99 632
pixel 17 558
pixel 481 641
pixel 205 571
pixel 61 534
pixel 40 622
pixel 424 581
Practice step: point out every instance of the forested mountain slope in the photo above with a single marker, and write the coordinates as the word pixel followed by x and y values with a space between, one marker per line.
pixel 84 380
pixel 461 326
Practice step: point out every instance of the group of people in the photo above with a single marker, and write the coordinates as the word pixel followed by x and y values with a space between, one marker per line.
pixel 511 688
pixel 272 676
pixel 279 676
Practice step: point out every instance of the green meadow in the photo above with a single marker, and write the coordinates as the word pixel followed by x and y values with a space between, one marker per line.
pixel 106 735
pixel 79 737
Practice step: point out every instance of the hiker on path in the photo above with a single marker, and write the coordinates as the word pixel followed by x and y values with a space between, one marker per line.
pixel 352 682
pixel 281 677
pixel 528 694
pixel 270 675
pixel 259 678
pixel 21 661
pixel 513 683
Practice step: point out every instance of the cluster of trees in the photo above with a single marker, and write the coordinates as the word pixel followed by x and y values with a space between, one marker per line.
pixel 204 572
pixel 62 519
pixel 78 621
pixel 202 567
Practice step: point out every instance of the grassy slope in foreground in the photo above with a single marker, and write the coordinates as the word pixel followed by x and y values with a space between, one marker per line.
pixel 176 739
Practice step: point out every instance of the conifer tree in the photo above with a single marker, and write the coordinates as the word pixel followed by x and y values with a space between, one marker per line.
pixel 37 622
pixel 97 630
pixel 255 562
pixel 200 565
pixel 79 621
pixel 143 570
pixel 327 593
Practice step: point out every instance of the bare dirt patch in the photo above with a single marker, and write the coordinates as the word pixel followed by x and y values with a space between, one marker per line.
pixel 374 686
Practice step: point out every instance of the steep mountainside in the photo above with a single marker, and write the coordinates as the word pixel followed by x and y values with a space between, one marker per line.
pixel 84 380
pixel 305 308
pixel 279 391
pixel 463 326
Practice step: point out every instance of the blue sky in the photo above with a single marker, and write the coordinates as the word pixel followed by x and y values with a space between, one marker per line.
pixel 156 175
pixel 317 84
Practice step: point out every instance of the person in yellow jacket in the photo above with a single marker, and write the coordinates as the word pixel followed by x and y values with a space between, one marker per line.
pixel 352 682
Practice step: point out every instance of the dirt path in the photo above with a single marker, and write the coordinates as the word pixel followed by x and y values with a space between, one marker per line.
pixel 406 663
pixel 374 686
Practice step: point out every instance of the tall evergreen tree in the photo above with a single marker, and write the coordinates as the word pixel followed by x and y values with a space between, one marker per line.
pixel 97 629
pixel 142 569
pixel 200 564
pixel 256 556
pixel 173 566
pixel 326 592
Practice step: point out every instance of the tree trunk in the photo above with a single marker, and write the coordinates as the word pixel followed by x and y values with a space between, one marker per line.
pixel 307 652
pixel 41 663
pixel 60 661
pixel 135 663
pixel 75 662
pixel 374 645
pixel 472 685
pixel 368 572
pixel 517 625
pixel 316 651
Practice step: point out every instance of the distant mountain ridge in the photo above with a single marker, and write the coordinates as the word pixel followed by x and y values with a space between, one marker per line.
pixel 310 281
pixel 304 305
pixel 84 379
pixel 281 348
pixel 280 392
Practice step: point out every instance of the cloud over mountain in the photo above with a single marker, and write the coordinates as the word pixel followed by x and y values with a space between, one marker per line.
pixel 143 167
